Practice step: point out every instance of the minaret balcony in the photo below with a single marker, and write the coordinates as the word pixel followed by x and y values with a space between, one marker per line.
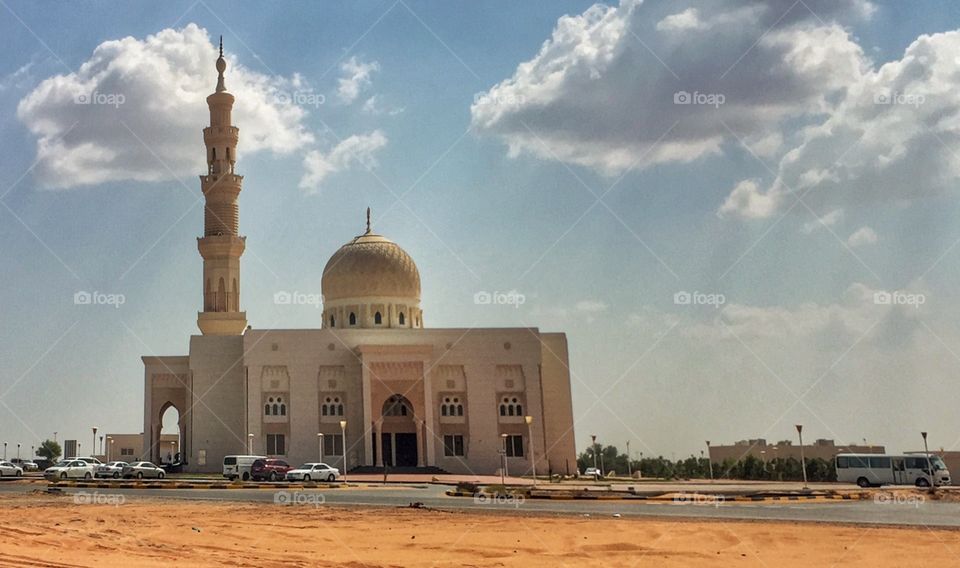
pixel 221 246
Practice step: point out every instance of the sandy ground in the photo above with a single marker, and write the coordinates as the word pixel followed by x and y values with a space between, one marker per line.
pixel 40 530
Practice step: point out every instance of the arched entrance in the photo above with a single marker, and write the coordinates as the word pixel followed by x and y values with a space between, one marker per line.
pixel 398 433
pixel 169 436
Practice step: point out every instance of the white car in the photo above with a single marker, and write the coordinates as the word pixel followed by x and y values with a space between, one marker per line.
pixel 92 461
pixel 313 472
pixel 593 472
pixel 27 465
pixel 70 468
pixel 9 469
pixel 112 469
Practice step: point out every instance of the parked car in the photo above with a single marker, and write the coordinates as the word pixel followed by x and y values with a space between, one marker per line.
pixel 69 468
pixel 112 469
pixel 141 470
pixel 313 472
pixel 92 461
pixel 27 465
pixel 8 469
pixel 270 469
pixel 593 472
pixel 239 466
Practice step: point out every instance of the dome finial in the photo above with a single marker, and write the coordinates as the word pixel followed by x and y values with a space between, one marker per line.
pixel 221 67
pixel 368 220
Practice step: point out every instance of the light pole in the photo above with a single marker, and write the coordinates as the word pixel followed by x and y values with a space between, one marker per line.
pixel 18 451
pixel 4 451
pixel 250 443
pixel 533 460
pixel 629 469
pixel 926 452
pixel 709 460
pixel 343 434
pixel 803 461
pixel 503 470
pixel 94 449
pixel 109 447
pixel 320 446
pixel 54 436
pixel 593 446
pixel 101 444
pixel 640 467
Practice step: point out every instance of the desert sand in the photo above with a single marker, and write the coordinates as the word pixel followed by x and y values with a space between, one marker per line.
pixel 42 530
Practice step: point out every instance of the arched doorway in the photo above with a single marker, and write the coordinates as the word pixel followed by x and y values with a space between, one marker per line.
pixel 398 437
pixel 170 439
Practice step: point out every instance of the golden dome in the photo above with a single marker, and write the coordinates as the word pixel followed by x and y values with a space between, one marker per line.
pixel 370 266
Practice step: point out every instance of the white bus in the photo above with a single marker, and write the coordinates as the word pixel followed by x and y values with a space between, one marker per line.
pixel 874 470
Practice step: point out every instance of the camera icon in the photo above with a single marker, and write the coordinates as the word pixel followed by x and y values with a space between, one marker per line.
pixel 82 298
pixel 882 298
pixel 682 98
pixel 682 298
pixel 881 98
pixel 281 498
pixel 282 98
pixel 282 298
pixel 81 99
pixel 82 498
pixel 482 298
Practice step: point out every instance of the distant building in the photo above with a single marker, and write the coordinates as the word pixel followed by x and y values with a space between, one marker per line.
pixel 130 448
pixel 785 449
pixel 69 448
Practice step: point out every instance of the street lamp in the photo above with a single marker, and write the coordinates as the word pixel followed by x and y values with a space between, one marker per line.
pixel 94 450
pixel 709 460
pixel 803 461
pixel 101 443
pixel 320 445
pixel 926 452
pixel 18 451
pixel 533 460
pixel 109 447
pixel 629 470
pixel 640 467
pixel 4 451
pixel 343 434
pixel 250 443
pixel 503 470
pixel 593 445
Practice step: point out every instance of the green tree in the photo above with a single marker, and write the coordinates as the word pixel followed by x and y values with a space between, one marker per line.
pixel 50 450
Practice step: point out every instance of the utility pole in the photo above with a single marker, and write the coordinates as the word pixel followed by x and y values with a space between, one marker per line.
pixel 803 461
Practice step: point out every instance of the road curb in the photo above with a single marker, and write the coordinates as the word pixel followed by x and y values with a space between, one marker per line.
pixel 679 499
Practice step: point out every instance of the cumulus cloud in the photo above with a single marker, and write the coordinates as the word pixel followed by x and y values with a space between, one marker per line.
pixel 828 220
pixel 356 78
pixel 862 236
pixel 357 149
pixel 135 109
pixel 595 95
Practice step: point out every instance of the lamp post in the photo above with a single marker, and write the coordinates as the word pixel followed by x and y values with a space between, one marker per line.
pixel 54 436
pixel 250 443
pixel 640 467
pixel 343 434
pixel 629 469
pixel 709 460
pixel 320 445
pixel 593 446
pixel 4 451
pixel 109 447
pixel 926 452
pixel 18 451
pixel 803 461
pixel 94 449
pixel 533 460
pixel 503 450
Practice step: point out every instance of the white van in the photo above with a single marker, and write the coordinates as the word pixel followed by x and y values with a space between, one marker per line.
pixel 239 466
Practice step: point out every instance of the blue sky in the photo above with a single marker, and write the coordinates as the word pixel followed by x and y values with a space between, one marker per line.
pixel 497 146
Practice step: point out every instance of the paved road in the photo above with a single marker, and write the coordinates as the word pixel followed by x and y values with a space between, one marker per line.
pixel 858 512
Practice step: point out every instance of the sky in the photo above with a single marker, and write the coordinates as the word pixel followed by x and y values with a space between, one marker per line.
pixel 741 213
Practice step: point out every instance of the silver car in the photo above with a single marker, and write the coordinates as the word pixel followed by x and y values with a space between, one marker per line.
pixel 141 470
pixel 112 469
pixel 8 469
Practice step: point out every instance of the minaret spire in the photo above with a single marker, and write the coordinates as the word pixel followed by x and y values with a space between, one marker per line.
pixel 221 67
pixel 368 220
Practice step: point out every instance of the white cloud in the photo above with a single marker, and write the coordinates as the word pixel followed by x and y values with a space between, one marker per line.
pixel 862 236
pixel 150 127
pixel 357 149
pixel 596 96
pixel 356 78
pixel 746 200
pixel 892 137
pixel 374 106
pixel 828 220
pixel 591 306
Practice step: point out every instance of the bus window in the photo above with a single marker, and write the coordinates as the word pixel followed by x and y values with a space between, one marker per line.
pixel 879 463
pixel 843 462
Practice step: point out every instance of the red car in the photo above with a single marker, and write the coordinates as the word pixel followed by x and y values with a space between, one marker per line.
pixel 270 469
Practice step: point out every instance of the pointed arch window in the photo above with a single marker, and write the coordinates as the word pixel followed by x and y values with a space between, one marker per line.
pixel 402 319
pixel 353 318
pixel 377 318
pixel 333 321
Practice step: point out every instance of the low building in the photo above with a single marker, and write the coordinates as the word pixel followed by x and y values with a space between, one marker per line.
pixel 785 449
pixel 130 448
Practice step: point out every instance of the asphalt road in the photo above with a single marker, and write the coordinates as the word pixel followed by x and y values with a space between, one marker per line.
pixel 869 512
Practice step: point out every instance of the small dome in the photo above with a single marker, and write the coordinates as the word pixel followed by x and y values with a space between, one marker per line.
pixel 371 266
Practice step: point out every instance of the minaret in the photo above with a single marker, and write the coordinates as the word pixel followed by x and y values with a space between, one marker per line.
pixel 221 245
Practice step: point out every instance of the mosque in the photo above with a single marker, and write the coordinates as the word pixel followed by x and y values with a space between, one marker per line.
pixel 373 387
